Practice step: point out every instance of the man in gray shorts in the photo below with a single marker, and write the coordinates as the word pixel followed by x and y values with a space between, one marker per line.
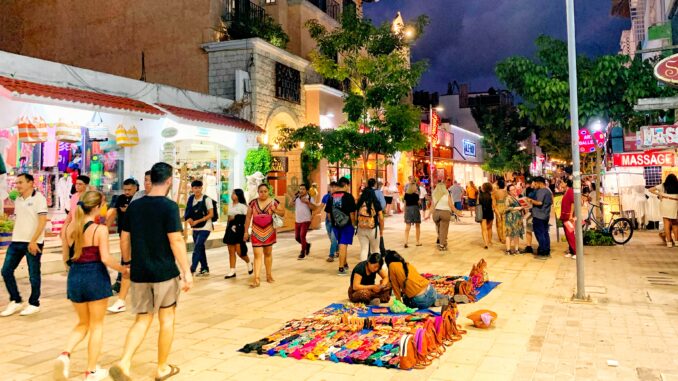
pixel 152 237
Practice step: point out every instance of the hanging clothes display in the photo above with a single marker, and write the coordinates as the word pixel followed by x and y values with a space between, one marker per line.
pixel 63 191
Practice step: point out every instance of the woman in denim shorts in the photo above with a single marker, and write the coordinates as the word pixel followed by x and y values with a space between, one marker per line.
pixel 86 255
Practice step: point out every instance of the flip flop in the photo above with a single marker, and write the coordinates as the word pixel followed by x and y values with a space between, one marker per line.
pixel 117 374
pixel 174 370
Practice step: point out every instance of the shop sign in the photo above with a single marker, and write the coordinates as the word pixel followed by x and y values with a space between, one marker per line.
pixel 658 136
pixel 202 131
pixel 469 148
pixel 279 164
pixel 644 159
pixel 666 70
pixel 588 141
pixel 169 132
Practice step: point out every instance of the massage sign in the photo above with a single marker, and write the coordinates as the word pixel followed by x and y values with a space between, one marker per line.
pixel 644 159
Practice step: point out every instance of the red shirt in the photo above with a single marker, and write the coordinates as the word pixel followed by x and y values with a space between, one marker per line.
pixel 567 205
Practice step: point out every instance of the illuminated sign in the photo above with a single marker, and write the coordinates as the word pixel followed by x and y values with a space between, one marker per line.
pixel 667 70
pixel 644 159
pixel 659 136
pixel 469 148
pixel 279 164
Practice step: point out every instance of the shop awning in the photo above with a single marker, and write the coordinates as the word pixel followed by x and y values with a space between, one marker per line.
pixel 26 90
pixel 212 117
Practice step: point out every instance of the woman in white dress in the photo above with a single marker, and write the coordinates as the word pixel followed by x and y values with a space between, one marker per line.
pixel 668 196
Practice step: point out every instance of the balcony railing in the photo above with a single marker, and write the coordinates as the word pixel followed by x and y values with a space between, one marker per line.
pixel 243 10
pixel 331 7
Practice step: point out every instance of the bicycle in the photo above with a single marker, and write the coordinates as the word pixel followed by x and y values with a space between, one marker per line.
pixel 620 229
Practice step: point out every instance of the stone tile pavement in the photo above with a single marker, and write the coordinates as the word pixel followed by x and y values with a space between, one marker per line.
pixel 539 335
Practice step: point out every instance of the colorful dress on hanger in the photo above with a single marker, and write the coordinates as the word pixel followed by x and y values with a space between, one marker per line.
pixel 263 232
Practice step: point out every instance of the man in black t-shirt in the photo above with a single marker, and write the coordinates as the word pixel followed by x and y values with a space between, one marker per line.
pixel 344 201
pixel 129 189
pixel 153 242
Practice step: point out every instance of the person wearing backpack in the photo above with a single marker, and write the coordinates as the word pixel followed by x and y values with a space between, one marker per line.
pixel 370 222
pixel 198 214
pixel 342 210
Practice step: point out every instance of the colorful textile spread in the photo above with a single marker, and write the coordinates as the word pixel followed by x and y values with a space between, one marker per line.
pixel 447 284
pixel 353 334
pixel 464 289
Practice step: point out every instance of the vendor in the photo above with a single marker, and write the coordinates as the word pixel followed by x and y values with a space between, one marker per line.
pixel 363 288
pixel 409 286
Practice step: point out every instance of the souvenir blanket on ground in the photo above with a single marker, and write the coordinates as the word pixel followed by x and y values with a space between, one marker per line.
pixel 460 288
pixel 339 333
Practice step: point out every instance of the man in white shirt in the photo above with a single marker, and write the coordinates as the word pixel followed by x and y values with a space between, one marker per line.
pixel 422 199
pixel 199 212
pixel 147 187
pixel 303 206
pixel 28 237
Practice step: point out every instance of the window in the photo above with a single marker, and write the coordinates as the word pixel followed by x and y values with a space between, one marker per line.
pixel 287 83
pixel 653 176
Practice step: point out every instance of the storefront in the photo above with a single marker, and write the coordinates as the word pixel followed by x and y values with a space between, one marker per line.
pixel 57 133
pixel 467 156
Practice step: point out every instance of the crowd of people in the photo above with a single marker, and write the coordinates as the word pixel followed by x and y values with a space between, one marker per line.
pixel 154 267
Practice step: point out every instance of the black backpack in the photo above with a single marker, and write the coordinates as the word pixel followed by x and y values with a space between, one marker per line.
pixel 199 211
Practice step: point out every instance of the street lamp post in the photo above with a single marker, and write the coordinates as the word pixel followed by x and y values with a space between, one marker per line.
pixel 574 133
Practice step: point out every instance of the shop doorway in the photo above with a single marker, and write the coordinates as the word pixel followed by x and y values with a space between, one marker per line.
pixel 211 163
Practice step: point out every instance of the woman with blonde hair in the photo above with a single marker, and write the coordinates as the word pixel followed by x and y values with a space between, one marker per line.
pixel 412 215
pixel 86 255
pixel 442 208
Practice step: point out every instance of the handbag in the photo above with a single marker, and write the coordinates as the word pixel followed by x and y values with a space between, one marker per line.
pixel 479 213
pixel 32 130
pixel 277 221
pixel 68 132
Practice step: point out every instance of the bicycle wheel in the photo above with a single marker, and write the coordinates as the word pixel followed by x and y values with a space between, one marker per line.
pixel 621 230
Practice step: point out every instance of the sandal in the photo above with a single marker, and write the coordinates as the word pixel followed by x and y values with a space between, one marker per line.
pixel 406 246
pixel 255 283
pixel 174 370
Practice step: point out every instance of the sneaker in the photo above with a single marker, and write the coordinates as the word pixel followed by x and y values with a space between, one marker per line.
pixel 118 306
pixel 97 375
pixel 346 266
pixel 250 267
pixel 375 302
pixel 231 274
pixel 330 259
pixel 301 256
pixel 62 366
pixel 542 257
pixel 29 310
pixel 574 256
pixel 308 249
pixel 669 244
pixel 568 255
pixel 342 271
pixel 11 309
pixel 527 250
pixel 203 273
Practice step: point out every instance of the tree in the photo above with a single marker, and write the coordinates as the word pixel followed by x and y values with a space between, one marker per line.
pixel 373 60
pixel 503 129
pixel 609 87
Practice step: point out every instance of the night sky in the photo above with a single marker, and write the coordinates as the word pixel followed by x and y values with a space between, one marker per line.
pixel 466 38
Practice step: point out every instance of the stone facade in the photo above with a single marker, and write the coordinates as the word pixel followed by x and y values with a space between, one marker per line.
pixel 258 58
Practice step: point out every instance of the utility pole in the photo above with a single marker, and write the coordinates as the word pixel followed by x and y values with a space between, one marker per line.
pixel 574 132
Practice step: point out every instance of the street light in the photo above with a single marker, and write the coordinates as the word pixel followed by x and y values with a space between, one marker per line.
pixel 430 138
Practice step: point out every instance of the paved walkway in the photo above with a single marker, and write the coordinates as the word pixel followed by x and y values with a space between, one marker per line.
pixel 539 335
